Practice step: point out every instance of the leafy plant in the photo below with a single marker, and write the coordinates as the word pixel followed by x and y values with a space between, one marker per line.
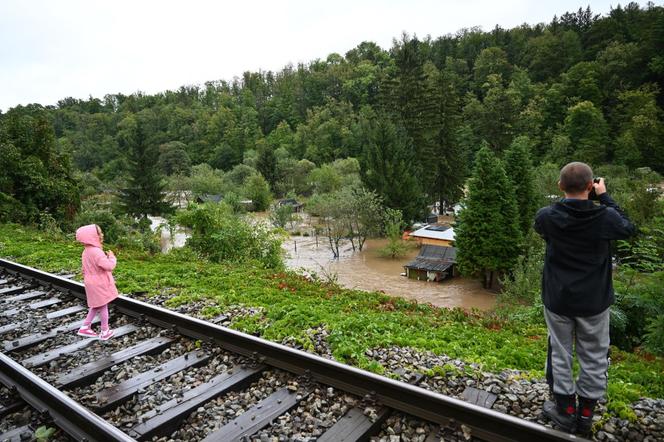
pixel 396 247
pixel 221 235
pixel 44 433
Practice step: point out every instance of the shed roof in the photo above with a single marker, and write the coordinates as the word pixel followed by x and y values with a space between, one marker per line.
pixel 290 202
pixel 435 231
pixel 207 197
pixel 434 259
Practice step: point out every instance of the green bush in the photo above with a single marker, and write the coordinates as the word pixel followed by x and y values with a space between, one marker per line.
pixel 524 284
pixel 281 215
pixel 221 235
pixel 119 230
pixel 257 189
pixel 113 226
pixel 639 298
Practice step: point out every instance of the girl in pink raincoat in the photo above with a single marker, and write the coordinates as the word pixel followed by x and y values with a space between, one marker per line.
pixel 99 283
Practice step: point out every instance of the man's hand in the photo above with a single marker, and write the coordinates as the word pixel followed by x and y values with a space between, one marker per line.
pixel 600 187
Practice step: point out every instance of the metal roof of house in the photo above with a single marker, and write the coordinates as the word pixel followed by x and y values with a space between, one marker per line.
pixel 434 231
pixel 433 259
pixel 290 202
pixel 208 197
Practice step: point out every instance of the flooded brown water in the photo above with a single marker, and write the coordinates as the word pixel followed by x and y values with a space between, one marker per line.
pixel 367 270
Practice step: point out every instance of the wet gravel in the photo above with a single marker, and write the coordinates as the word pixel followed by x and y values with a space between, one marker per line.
pixel 517 394
pixel 320 410
pixel 27 416
pixel 143 404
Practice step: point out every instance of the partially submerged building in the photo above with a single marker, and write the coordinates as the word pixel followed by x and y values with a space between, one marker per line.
pixel 434 263
pixel 437 258
pixel 293 203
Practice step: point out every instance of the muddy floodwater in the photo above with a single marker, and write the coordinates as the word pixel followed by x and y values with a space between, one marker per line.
pixel 367 270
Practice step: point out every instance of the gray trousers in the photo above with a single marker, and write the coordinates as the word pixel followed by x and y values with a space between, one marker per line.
pixel 590 336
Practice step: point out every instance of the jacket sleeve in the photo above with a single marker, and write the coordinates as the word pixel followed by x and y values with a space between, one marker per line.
pixel 104 262
pixel 618 225
pixel 539 224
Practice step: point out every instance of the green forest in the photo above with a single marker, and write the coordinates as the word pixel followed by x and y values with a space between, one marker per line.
pixel 583 87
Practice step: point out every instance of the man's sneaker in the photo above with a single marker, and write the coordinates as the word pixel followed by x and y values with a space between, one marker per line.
pixel 564 418
pixel 105 335
pixel 584 418
pixel 87 332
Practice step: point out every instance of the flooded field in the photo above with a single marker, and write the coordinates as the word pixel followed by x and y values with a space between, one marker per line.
pixel 367 270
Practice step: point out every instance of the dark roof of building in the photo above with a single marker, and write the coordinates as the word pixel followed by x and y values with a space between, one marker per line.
pixel 433 259
pixel 210 198
pixel 289 202
pixel 438 227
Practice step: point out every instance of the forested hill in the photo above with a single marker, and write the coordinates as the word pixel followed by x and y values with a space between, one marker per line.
pixel 584 86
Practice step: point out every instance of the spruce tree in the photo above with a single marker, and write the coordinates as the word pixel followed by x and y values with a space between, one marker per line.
pixel 449 156
pixel 144 192
pixel 519 169
pixel 408 98
pixel 388 168
pixel 488 237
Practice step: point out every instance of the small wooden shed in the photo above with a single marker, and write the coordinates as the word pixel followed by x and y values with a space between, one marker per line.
pixel 434 263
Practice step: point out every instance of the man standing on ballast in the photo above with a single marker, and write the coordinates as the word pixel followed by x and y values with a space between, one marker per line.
pixel 577 291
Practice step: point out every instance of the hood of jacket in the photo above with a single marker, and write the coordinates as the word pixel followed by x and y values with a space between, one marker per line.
pixel 574 215
pixel 88 236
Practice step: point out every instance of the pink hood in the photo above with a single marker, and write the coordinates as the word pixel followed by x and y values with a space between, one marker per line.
pixel 88 235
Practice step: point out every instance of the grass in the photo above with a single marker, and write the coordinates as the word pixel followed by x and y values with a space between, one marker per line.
pixel 356 320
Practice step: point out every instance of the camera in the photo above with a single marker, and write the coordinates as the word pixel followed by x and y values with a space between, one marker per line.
pixel 592 195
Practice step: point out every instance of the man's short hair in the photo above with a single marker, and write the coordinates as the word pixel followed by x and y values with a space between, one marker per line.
pixel 574 177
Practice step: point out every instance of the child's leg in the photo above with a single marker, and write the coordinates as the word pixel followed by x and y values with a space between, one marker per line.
pixel 103 312
pixel 91 316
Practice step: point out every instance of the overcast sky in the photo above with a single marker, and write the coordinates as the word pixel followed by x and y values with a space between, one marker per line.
pixel 51 49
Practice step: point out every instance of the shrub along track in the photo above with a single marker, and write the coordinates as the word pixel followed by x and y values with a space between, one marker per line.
pixel 168 375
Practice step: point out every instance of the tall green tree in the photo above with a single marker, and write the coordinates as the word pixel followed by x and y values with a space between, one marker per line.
pixel 519 169
pixel 389 170
pixel 257 189
pixel 144 193
pixel 588 133
pixel 449 159
pixel 36 180
pixel 488 237
pixel 266 163
pixel 409 99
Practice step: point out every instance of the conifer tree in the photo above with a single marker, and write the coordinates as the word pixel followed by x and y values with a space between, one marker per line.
pixel 519 169
pixel 144 193
pixel 488 237
pixel 409 99
pixel 388 168
pixel 449 154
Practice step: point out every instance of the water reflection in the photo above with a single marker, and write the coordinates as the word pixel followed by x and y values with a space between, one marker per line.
pixel 165 241
pixel 367 270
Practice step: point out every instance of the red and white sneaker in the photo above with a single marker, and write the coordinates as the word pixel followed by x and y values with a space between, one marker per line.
pixel 87 332
pixel 105 335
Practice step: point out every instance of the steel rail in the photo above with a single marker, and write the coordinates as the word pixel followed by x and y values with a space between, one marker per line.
pixel 77 421
pixel 484 423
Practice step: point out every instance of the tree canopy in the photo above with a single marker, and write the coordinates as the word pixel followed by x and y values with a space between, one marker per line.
pixel 581 87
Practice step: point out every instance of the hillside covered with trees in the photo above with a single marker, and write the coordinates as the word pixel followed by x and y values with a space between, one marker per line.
pixel 584 87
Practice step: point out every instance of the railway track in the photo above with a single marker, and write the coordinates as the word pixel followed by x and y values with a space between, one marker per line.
pixel 168 376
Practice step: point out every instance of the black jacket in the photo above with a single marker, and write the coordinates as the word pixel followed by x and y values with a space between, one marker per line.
pixel 577 267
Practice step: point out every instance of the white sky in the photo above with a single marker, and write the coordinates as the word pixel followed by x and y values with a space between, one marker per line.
pixel 52 49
